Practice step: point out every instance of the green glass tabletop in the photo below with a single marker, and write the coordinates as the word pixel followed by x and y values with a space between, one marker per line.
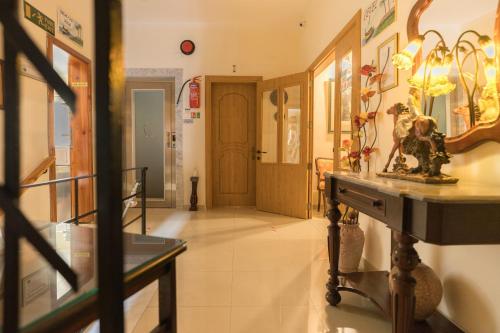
pixel 43 291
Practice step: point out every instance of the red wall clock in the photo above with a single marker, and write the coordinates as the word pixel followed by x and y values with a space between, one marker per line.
pixel 187 47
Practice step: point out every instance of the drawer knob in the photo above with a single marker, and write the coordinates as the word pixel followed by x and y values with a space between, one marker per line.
pixel 377 203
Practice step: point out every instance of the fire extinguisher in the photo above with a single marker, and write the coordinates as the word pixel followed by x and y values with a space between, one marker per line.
pixel 195 93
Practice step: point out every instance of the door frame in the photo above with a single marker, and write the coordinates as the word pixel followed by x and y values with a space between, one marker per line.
pixel 209 81
pixel 51 41
pixel 324 59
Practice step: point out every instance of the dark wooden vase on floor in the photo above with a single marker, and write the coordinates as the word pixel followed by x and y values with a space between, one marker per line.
pixel 194 194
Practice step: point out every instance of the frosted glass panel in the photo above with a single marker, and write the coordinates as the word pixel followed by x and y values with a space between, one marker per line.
pixel 291 125
pixel 270 127
pixel 346 93
pixel 149 138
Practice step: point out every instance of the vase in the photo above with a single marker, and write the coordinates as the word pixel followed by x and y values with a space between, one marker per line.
pixel 352 241
pixel 428 290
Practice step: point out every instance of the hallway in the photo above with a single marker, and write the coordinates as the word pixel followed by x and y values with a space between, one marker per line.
pixel 248 271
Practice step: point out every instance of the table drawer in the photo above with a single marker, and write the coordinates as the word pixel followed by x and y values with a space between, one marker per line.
pixel 365 200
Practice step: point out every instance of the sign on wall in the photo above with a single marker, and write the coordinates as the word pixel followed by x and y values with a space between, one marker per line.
pixel 39 18
pixel 377 16
pixel 69 27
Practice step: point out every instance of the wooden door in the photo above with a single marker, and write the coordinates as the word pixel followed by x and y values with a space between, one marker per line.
pixel 282 143
pixel 81 134
pixel 233 144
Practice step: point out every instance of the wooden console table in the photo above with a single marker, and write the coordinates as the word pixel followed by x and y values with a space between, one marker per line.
pixel 461 214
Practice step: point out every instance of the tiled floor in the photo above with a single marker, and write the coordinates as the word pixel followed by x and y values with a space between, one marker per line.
pixel 247 271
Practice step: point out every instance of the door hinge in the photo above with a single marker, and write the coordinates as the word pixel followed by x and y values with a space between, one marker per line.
pixel 309 166
pixel 310 124
pixel 309 206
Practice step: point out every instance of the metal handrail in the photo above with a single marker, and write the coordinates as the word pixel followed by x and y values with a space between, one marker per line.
pixel 76 179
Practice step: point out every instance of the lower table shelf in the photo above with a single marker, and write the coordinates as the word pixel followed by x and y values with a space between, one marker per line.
pixel 375 286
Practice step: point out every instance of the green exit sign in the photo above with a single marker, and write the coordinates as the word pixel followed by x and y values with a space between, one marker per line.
pixel 39 18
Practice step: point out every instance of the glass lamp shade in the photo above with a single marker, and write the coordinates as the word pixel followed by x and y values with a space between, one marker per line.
pixel 487 45
pixel 490 71
pixel 404 59
pixel 439 83
pixel 417 80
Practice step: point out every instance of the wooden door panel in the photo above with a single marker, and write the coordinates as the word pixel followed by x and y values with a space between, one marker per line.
pixel 233 166
pixel 233 132
pixel 233 119
pixel 81 135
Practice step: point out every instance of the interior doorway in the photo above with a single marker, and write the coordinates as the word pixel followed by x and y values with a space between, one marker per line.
pixel 231 140
pixel 335 80
pixel 70 138
pixel 149 139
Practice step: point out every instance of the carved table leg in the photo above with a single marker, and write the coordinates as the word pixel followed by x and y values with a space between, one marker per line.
pixel 405 258
pixel 334 215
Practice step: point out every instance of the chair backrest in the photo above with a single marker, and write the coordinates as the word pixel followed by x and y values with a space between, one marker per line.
pixel 323 165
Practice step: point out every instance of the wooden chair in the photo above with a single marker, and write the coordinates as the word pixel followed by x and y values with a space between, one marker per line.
pixel 322 165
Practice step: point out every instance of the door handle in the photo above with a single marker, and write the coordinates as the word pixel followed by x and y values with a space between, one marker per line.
pixel 259 154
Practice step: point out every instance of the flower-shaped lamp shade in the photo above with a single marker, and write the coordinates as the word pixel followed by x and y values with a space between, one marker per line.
pixel 417 80
pixel 404 59
pixel 488 46
pixel 439 83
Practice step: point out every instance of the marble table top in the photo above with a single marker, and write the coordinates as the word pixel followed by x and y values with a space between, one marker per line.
pixel 462 192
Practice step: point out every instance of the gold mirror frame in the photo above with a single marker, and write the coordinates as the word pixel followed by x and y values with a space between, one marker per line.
pixel 482 132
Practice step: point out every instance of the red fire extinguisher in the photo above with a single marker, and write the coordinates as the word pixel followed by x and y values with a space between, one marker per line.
pixel 195 93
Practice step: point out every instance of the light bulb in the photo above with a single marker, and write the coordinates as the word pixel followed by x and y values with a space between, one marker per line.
pixel 404 59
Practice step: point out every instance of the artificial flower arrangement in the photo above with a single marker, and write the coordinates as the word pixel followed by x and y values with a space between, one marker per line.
pixel 365 146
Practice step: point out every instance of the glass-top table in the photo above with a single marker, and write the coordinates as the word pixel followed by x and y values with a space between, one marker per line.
pixel 44 293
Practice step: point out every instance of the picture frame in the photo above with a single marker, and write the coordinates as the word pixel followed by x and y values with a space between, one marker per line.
pixel 1 85
pixel 388 48
pixel 377 16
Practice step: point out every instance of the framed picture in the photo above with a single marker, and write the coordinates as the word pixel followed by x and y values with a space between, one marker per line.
pixel 1 84
pixel 377 16
pixel 385 51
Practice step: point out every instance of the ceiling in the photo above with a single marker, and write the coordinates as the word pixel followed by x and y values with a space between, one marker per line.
pixel 215 11
pixel 462 11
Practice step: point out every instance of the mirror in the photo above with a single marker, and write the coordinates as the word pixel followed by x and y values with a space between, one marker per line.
pixel 470 113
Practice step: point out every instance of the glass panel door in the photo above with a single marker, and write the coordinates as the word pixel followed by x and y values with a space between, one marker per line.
pixel 148 106
pixel 270 117
pixel 346 93
pixel 282 170
pixel 291 125
pixel 345 109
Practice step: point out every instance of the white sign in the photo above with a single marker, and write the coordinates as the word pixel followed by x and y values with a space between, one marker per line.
pixel 69 27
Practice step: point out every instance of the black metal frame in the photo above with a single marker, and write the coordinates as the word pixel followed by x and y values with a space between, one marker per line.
pixel 77 216
pixel 109 90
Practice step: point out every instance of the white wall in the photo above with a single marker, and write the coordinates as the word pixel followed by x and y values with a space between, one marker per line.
pixel 469 273
pixel 219 46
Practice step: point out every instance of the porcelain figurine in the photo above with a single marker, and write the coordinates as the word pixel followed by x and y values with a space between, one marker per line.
pixel 417 135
